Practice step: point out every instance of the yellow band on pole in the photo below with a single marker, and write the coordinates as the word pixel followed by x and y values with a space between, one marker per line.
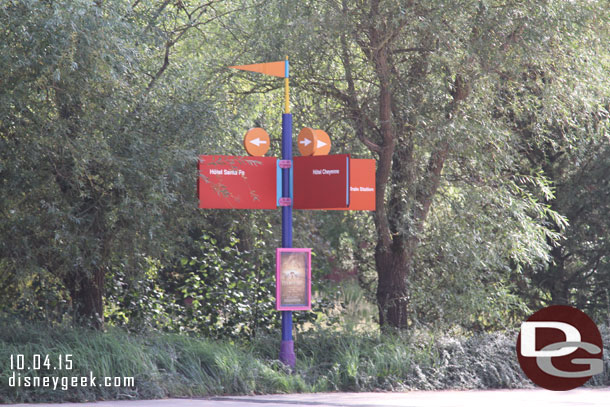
pixel 286 96
pixel 286 89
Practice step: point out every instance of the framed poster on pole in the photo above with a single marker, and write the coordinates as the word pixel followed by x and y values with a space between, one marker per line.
pixel 293 279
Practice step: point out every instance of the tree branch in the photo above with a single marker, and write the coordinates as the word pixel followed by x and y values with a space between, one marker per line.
pixel 352 100
pixel 152 82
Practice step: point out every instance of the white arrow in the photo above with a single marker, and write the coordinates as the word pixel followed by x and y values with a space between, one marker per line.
pixel 257 142
pixel 321 144
pixel 305 142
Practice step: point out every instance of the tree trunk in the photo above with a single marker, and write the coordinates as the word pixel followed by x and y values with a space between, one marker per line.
pixel 559 285
pixel 393 269
pixel 89 298
pixel 560 292
pixel 404 191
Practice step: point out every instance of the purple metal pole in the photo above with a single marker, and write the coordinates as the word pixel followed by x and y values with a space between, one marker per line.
pixel 287 355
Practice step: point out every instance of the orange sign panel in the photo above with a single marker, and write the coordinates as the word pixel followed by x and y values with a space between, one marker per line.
pixel 229 182
pixel 361 185
pixel 256 142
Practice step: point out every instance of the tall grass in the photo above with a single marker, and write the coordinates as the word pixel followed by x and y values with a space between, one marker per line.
pixel 163 365
pixel 170 365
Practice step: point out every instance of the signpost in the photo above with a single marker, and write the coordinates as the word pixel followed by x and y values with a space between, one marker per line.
pixel 319 181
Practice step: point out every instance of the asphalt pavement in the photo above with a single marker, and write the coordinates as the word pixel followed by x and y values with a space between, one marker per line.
pixel 488 398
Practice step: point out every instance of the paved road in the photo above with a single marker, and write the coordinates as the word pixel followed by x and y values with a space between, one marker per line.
pixel 491 398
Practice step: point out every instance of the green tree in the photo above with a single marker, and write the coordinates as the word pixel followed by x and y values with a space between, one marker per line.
pixel 97 149
pixel 556 108
pixel 416 84
pixel 560 112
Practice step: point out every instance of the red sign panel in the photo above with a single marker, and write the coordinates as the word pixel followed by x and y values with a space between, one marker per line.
pixel 361 185
pixel 229 182
pixel 321 182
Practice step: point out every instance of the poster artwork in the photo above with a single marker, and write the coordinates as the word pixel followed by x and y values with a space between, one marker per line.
pixel 293 279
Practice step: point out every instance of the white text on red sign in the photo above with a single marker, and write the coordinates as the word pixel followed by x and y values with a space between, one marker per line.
pixel 324 171
pixel 227 172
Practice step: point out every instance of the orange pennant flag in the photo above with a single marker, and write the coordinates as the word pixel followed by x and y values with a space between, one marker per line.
pixel 278 68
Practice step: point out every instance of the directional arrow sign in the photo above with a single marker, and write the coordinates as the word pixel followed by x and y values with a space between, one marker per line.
pixel 228 182
pixel 313 142
pixel 306 141
pixel 321 182
pixel 256 142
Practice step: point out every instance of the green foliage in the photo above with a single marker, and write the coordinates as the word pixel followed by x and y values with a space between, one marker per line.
pixel 449 71
pixel 230 292
pixel 222 288
pixel 96 156
pixel 170 365
pixel 560 114
pixel 163 365
pixel 104 107
pixel 140 302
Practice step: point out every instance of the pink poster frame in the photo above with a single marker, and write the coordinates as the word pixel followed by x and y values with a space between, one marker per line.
pixel 278 281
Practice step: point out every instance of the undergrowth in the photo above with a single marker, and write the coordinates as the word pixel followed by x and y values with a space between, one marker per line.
pixel 171 365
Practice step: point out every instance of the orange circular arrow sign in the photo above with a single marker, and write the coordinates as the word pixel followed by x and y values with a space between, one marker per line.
pixel 256 142
pixel 313 142
pixel 306 141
